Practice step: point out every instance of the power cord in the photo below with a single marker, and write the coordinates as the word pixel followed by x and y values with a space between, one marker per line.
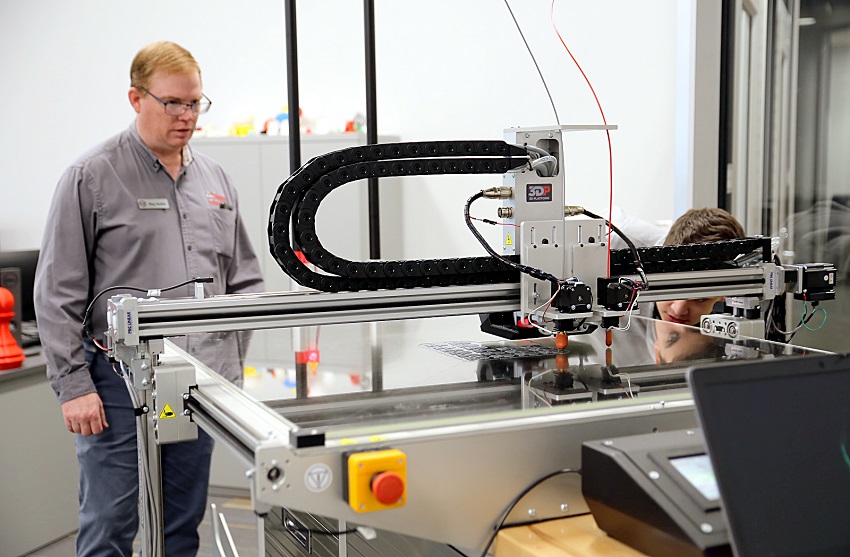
pixel 533 59
pixel 87 332
pixel 292 527
pixel 632 248
pixel 531 271
pixel 523 493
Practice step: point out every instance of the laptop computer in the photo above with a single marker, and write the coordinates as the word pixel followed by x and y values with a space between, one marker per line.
pixel 778 436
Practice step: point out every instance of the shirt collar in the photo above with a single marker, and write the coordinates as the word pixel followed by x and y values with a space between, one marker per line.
pixel 188 158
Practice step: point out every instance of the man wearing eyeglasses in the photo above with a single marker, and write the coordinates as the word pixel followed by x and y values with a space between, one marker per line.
pixel 141 209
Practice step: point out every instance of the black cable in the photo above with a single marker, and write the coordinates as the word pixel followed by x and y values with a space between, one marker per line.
pixel 533 59
pixel 531 271
pixel 284 528
pixel 456 550
pixel 804 320
pixel 632 248
pixel 788 336
pixel 87 316
pixel 523 493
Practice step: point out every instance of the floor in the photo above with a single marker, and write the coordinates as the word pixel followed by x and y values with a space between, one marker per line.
pixel 241 521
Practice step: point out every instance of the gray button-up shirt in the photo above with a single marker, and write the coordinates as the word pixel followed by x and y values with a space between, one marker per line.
pixel 119 218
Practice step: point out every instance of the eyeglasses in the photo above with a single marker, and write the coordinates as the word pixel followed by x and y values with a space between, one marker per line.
pixel 176 108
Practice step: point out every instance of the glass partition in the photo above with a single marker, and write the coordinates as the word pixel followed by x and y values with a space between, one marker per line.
pixel 395 373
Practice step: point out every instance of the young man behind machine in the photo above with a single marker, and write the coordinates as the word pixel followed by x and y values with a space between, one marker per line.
pixel 697 226
pixel 142 209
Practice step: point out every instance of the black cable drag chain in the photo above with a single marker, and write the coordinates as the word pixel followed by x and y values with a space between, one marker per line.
pixel 298 199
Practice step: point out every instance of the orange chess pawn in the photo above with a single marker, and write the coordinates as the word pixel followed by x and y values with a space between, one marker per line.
pixel 11 355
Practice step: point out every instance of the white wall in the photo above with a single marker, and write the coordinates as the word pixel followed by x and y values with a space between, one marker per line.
pixel 446 70
pixel 838 144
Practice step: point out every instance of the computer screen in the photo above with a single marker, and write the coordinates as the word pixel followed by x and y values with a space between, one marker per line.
pixel 25 261
pixel 778 434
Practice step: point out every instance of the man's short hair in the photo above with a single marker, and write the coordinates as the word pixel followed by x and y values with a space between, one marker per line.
pixel 163 56
pixel 704 225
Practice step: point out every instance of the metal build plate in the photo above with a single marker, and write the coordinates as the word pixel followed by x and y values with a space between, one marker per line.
pixel 475 432
pixel 394 372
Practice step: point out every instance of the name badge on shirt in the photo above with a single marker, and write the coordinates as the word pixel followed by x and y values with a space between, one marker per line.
pixel 153 204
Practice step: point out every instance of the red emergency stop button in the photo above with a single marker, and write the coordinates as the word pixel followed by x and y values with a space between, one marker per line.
pixel 387 487
pixel 377 480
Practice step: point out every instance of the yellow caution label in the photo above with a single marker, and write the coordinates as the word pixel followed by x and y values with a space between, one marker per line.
pixel 509 241
pixel 167 412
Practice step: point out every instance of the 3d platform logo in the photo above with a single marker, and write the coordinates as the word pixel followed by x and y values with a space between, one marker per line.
pixel 538 192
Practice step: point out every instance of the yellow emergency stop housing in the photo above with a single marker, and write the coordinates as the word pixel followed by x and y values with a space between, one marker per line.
pixel 363 467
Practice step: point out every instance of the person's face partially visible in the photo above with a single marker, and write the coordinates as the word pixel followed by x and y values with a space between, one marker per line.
pixel 686 312
pixel 676 343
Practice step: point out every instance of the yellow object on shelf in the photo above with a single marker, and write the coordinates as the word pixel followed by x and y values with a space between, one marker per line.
pixel 242 130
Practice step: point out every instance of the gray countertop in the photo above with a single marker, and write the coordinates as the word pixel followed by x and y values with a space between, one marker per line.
pixel 33 365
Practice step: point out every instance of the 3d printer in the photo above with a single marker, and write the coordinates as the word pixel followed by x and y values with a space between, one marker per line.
pixel 442 473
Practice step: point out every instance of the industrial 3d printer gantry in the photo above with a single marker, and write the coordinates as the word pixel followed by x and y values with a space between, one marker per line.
pixel 433 456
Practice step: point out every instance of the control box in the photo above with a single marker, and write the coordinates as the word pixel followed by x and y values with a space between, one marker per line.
pixel 657 493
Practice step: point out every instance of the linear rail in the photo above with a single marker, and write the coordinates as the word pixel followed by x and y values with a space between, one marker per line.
pixel 137 318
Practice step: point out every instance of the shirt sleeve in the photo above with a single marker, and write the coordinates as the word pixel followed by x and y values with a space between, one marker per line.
pixel 639 231
pixel 62 285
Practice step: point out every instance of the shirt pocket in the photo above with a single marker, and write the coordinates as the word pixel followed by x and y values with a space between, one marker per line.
pixel 223 226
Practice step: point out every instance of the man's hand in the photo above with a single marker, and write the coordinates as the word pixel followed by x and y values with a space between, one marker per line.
pixel 85 415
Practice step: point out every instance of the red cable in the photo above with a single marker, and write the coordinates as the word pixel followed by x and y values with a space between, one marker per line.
pixel 99 345
pixel 607 132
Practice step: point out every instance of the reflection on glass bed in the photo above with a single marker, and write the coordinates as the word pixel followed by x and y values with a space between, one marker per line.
pixel 447 368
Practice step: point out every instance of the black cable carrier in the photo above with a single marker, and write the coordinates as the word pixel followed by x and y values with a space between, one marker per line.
pixel 690 257
pixel 292 220
pixel 298 199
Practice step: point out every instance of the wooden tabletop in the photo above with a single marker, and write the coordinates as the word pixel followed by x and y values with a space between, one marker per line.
pixel 577 536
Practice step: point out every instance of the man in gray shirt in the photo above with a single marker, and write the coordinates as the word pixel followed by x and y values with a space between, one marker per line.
pixel 143 210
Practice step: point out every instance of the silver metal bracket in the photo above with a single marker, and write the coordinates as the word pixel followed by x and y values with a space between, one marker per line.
pixel 172 422
pixel 728 326
pixel 122 320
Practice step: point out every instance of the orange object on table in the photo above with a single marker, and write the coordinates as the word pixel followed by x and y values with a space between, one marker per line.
pixel 11 355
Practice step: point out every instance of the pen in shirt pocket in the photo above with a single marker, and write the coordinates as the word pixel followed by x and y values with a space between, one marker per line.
pixel 225 205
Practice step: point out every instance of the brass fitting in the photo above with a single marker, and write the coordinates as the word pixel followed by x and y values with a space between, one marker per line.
pixel 505 212
pixel 501 192
pixel 573 210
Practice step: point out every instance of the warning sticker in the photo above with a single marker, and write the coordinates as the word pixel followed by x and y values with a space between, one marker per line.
pixel 167 412
pixel 509 241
